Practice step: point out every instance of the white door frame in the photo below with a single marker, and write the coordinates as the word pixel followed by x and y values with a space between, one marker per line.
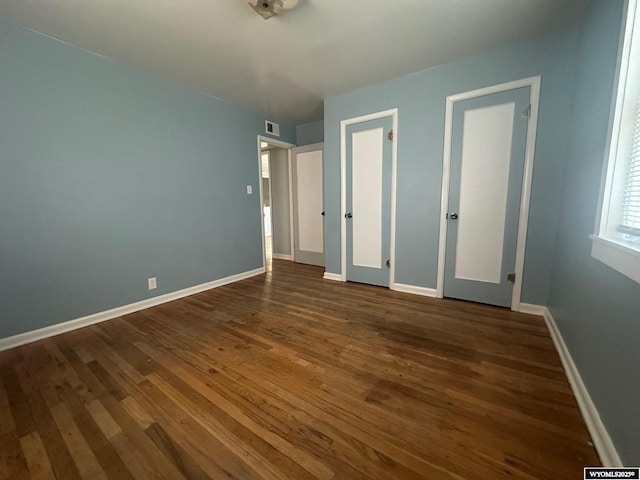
pixel 393 113
pixel 288 146
pixel 534 83
pixel 268 152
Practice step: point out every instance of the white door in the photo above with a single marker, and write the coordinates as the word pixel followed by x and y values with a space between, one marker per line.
pixel 308 206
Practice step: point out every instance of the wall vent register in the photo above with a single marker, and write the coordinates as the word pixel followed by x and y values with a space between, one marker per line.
pixel 272 128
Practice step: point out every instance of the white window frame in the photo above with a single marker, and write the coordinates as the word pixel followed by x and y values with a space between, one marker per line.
pixel 608 244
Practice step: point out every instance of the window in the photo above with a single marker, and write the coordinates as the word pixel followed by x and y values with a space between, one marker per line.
pixel 617 238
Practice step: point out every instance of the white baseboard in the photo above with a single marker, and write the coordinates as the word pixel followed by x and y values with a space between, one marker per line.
pixel 33 335
pixel 332 276
pixel 281 256
pixel 425 292
pixel 601 439
pixel 532 309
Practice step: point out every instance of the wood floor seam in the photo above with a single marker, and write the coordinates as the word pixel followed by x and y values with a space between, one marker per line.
pixel 287 376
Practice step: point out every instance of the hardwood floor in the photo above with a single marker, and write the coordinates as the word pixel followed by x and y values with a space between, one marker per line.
pixel 288 376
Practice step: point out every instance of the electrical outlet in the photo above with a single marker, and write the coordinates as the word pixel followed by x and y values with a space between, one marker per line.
pixel 249 190
pixel 152 283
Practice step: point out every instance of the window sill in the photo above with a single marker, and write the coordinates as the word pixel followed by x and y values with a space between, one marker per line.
pixel 620 257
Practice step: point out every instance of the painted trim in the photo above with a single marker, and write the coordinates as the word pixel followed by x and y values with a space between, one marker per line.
pixel 281 256
pixel 50 331
pixel 534 84
pixel 275 142
pixel 271 215
pixel 292 248
pixel 532 309
pixel 393 113
pixel 278 143
pixel 444 195
pixel 394 181
pixel 425 292
pixel 601 439
pixel 527 181
pixel 618 256
pixel 333 276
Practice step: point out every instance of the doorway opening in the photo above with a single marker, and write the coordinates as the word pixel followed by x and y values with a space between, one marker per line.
pixel 274 162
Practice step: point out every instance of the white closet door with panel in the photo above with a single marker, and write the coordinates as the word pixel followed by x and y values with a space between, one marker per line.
pixel 368 201
pixel 485 187
pixel 308 204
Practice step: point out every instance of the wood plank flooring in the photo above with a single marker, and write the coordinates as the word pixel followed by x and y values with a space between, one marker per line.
pixel 288 376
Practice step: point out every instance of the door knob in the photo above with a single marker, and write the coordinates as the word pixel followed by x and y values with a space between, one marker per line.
pixel 348 215
pixel 322 214
pixel 452 216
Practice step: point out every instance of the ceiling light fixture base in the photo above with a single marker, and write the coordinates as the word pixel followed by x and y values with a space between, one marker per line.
pixel 270 8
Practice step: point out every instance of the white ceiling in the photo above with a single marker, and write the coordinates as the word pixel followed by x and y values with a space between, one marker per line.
pixel 285 66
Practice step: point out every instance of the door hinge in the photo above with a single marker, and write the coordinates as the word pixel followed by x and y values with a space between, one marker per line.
pixel 390 135
pixel 526 113
pixel 388 263
pixel 511 277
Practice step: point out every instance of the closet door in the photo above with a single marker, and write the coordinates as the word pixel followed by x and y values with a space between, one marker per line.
pixel 368 201
pixel 485 186
pixel 308 207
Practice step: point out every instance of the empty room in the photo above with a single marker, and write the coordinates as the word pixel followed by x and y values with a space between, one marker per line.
pixel 318 239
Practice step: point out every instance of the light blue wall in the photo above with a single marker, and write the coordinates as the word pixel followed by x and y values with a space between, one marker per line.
pixel 596 308
pixel 420 99
pixel 310 133
pixel 109 176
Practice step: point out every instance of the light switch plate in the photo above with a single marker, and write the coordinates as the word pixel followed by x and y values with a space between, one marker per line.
pixel 249 190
